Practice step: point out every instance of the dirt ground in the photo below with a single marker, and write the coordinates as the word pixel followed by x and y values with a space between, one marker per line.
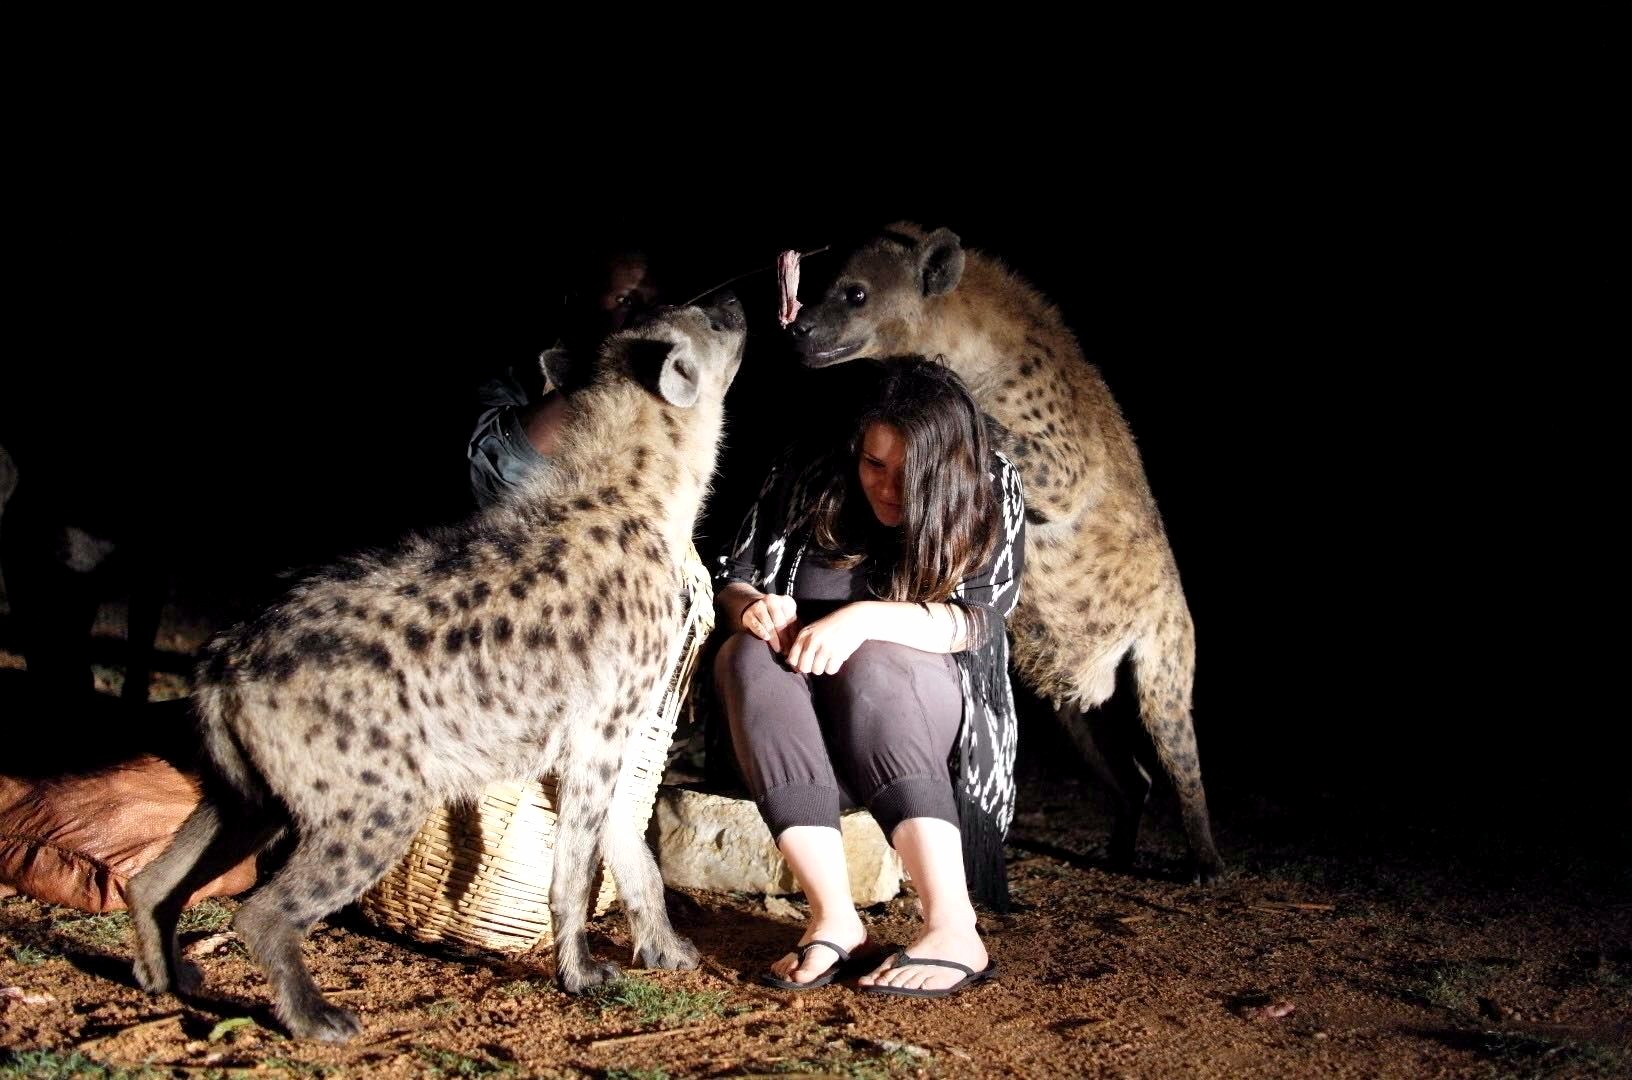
pixel 1335 947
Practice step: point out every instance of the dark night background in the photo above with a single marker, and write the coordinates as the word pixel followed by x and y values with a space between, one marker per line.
pixel 266 363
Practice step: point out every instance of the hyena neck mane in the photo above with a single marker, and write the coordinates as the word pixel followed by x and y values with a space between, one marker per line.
pixel 653 459
pixel 993 321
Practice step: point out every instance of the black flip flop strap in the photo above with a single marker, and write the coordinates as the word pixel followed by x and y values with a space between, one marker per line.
pixel 844 957
pixel 907 961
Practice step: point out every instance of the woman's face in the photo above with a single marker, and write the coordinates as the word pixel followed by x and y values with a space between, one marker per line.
pixel 883 455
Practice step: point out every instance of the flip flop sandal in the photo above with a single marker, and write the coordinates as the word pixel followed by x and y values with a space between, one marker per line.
pixel 970 977
pixel 821 980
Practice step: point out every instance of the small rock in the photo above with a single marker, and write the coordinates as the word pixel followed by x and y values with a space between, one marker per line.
pixel 721 844
pixel 207 945
pixel 783 909
pixel 17 993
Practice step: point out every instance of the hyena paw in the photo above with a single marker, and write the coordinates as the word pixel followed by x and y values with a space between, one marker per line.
pixel 151 975
pixel 590 973
pixel 154 975
pixel 325 1023
pixel 676 953
pixel 189 978
pixel 1208 870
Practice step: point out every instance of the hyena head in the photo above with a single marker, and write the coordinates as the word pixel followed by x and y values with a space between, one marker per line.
pixel 684 354
pixel 879 296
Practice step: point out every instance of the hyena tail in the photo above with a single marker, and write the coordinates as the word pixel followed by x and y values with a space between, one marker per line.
pixel 217 708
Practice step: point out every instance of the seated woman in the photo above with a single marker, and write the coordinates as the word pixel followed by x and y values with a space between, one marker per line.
pixel 867 593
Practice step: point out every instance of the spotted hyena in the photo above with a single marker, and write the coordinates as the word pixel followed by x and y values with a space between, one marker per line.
pixel 1101 582
pixel 526 642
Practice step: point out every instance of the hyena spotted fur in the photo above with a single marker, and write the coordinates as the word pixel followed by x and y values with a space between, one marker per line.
pixel 525 643
pixel 1101 582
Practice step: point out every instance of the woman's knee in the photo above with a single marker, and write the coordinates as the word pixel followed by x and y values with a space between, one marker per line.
pixel 742 658
pixel 875 666
pixel 882 680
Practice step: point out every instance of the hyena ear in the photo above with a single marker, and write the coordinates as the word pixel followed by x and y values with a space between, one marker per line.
pixel 562 368
pixel 668 368
pixel 940 262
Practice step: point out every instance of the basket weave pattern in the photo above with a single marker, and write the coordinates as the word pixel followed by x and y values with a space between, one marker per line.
pixel 479 874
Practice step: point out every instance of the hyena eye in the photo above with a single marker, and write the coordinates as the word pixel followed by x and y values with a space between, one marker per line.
pixel 855 295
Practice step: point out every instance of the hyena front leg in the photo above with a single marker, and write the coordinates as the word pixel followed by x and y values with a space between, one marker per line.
pixel 640 891
pixel 584 795
pixel 1107 744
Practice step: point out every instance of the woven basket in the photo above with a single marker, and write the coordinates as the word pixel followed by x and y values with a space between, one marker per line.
pixel 479 875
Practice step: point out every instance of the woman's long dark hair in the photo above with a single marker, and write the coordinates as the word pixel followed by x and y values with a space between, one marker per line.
pixel 949 516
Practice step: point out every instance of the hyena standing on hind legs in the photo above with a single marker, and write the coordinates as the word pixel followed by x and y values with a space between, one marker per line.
pixel 1101 582
pixel 525 643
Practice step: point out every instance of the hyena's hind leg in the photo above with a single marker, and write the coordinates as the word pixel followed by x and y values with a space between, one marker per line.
pixel 327 868
pixel 1164 668
pixel 640 891
pixel 1109 742
pixel 217 835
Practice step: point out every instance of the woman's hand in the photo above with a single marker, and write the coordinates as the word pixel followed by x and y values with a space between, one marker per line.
pixel 822 647
pixel 773 618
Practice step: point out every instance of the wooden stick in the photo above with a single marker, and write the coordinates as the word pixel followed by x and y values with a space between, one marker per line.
pixel 642 1036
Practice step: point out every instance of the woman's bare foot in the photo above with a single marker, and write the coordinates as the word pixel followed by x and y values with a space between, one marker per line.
pixel 843 929
pixel 960 944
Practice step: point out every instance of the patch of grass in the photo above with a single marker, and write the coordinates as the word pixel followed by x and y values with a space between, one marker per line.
pixel 1610 979
pixel 521 988
pixel 209 916
pixel 54 1065
pixel 635 1074
pixel 1049 870
pixel 29 956
pixel 897 1062
pixel 442 1007
pixel 1300 871
pixel 111 931
pixel 653 1003
pixel 1518 1053
pixel 1604 1059
pixel 1448 984
pixel 452 1063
